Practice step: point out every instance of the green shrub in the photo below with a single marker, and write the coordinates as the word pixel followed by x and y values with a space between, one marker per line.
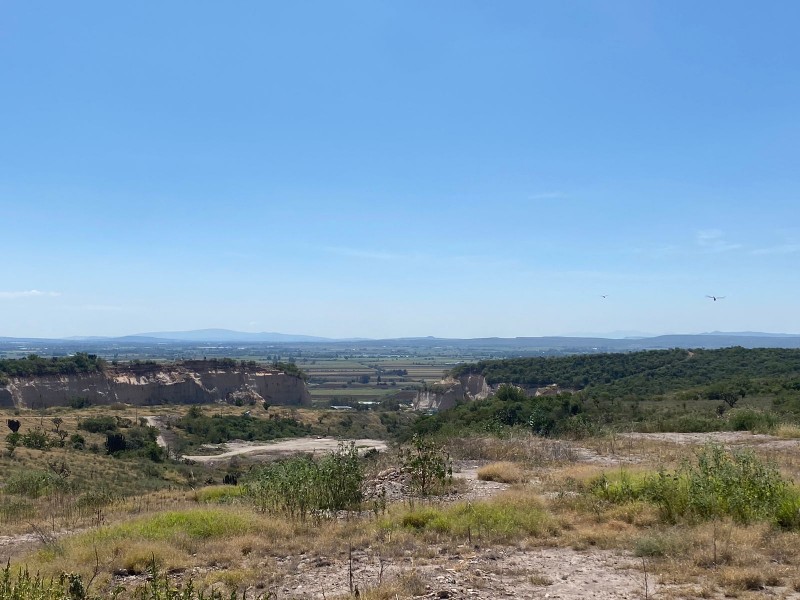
pixel 35 484
pixel 747 419
pixel 36 439
pixel 787 515
pixel 736 484
pixel 719 484
pixel 301 486
pixel 102 424
pixel 24 586
pixel 660 544
pixel 503 518
pixel 427 464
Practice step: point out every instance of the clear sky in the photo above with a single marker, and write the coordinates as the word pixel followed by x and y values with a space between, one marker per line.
pixel 402 168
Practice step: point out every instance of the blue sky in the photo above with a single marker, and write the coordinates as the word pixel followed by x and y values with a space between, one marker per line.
pixel 384 169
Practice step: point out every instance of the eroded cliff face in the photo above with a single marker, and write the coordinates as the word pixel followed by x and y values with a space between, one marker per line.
pixel 170 384
pixel 448 392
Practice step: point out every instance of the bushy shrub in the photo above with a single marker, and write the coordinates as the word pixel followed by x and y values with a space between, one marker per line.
pixel 720 483
pixel 747 419
pixel 34 483
pixel 301 486
pixel 36 439
pixel 427 464
pixel 99 424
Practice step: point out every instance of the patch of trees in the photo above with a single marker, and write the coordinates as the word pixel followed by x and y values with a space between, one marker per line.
pixel 216 429
pixel 511 407
pixel 641 373
pixel 139 441
pixel 34 365
pixel 290 369
pixel 37 438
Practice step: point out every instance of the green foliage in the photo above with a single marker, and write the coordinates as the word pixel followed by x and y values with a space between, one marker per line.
pixel 720 483
pixel 290 369
pixel 200 428
pixel 221 494
pixel 511 407
pixel 101 424
pixel 80 402
pixel 36 439
pixel 301 486
pixel 501 519
pixel 648 372
pixel 13 440
pixel 665 390
pixel 34 365
pixel 157 586
pixel 735 484
pixel 201 524
pixel 746 419
pixel 787 515
pixel 137 442
pixel 427 464
pixel 35 483
pixel 24 586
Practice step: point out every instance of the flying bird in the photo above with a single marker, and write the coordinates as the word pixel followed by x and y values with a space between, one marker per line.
pixel 604 295
pixel 715 298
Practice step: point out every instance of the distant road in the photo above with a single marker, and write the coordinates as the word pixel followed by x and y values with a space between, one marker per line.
pixel 283 448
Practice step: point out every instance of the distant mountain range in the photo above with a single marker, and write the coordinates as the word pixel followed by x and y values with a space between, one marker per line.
pixel 227 335
pixel 715 339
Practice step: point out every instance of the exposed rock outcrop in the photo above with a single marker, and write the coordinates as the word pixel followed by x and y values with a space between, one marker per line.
pixel 448 392
pixel 194 382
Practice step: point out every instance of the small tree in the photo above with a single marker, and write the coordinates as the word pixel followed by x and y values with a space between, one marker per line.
pixel 427 464
pixel 115 442
pixel 12 441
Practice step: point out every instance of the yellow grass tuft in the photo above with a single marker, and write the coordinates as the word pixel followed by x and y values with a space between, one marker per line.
pixel 502 472
pixel 787 431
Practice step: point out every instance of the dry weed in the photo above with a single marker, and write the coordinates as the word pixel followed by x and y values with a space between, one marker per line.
pixel 502 472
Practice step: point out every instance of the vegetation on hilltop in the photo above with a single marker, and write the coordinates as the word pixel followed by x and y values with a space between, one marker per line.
pixel 199 428
pixel 665 390
pixel 647 372
pixel 34 365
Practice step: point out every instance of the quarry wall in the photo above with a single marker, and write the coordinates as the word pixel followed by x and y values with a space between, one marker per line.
pixel 448 392
pixel 173 384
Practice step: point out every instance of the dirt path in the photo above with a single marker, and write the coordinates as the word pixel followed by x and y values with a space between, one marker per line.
pixel 156 422
pixel 282 448
pixel 465 571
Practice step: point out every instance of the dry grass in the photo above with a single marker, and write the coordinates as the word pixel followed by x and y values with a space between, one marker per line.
pixel 502 472
pixel 520 447
pixel 237 547
pixel 787 431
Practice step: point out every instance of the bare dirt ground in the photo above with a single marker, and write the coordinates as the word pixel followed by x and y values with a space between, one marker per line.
pixel 282 448
pixel 473 572
pixel 157 423
pixel 727 438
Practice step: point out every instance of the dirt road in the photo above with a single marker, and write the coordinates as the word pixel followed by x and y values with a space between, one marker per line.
pixel 282 448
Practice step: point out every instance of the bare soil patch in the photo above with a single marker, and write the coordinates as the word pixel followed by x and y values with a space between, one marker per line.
pixel 727 438
pixel 282 448
pixel 473 572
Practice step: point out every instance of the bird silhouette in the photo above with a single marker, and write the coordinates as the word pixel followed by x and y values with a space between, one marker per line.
pixel 715 298
pixel 604 295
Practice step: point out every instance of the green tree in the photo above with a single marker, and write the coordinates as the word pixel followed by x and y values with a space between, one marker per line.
pixel 427 464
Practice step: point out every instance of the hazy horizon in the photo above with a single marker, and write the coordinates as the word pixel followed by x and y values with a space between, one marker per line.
pixel 386 170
